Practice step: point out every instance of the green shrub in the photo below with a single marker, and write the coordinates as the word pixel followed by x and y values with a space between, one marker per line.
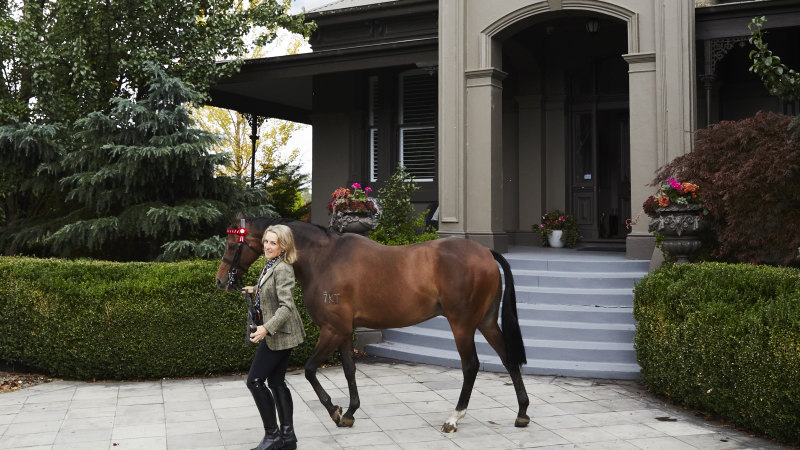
pixel 90 319
pixel 749 173
pixel 726 339
pixel 398 224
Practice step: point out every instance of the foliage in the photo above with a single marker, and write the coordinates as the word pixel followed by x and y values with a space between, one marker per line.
pixel 750 173
pixel 398 224
pixel 357 200
pixel 285 186
pixel 557 220
pixel 63 60
pixel 90 319
pixel 673 192
pixel 234 128
pixel 725 339
pixel 780 80
pixel 145 178
pixel 77 54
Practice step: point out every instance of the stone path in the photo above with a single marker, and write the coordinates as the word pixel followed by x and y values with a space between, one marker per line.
pixel 402 407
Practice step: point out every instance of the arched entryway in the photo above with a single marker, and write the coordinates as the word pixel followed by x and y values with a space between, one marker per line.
pixel 566 118
pixel 494 144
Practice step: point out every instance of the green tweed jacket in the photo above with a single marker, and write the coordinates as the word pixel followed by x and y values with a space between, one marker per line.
pixel 281 319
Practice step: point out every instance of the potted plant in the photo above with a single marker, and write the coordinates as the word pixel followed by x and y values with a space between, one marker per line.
pixel 558 229
pixel 352 211
pixel 676 212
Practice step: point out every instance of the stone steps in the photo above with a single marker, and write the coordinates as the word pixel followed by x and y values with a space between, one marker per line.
pixel 575 312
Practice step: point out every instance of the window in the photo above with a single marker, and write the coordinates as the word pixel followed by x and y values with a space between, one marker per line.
pixel 401 125
pixel 417 117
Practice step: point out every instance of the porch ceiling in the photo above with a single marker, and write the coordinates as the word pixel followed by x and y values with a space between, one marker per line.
pixel 282 86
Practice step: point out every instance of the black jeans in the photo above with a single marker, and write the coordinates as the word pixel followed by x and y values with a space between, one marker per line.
pixel 269 365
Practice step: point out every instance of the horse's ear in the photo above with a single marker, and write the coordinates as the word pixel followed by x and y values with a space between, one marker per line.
pixel 239 216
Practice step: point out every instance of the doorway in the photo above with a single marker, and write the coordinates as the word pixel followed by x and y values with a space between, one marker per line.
pixel 599 179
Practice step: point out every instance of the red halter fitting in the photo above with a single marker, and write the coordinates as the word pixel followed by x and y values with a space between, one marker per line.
pixel 241 232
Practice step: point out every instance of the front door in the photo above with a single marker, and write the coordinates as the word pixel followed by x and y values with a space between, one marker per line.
pixel 599 181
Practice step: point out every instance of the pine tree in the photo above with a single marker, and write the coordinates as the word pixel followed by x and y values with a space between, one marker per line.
pixel 145 182
pixel 285 185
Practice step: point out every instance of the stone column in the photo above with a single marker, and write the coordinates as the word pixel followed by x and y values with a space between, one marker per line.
pixel 451 118
pixel 484 158
pixel 642 85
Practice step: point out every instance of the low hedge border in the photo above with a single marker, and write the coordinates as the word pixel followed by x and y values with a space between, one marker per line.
pixel 104 320
pixel 724 339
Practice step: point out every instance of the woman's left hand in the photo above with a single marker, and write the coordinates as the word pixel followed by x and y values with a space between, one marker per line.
pixel 259 334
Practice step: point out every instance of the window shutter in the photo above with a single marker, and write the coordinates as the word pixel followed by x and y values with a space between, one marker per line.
pixel 418 109
pixel 374 108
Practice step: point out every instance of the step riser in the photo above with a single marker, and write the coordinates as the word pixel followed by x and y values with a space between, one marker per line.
pixel 548 333
pixel 616 315
pixel 547 353
pixel 579 266
pixel 541 330
pixel 577 334
pixel 621 316
pixel 584 282
pixel 590 298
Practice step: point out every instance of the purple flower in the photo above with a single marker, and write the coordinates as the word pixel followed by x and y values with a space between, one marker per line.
pixel 673 183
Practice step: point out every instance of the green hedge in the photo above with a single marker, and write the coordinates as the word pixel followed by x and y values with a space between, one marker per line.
pixel 93 319
pixel 725 339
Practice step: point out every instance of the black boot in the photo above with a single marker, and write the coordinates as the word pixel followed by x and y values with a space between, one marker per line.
pixel 283 401
pixel 266 407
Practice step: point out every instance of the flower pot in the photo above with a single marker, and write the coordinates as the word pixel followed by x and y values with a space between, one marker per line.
pixel 681 226
pixel 352 222
pixel 555 238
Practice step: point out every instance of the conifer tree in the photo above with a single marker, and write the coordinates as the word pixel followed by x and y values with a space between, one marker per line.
pixel 144 182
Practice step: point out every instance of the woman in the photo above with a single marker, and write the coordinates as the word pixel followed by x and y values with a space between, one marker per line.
pixel 281 331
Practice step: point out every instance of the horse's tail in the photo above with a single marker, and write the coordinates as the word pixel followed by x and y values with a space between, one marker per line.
pixel 512 335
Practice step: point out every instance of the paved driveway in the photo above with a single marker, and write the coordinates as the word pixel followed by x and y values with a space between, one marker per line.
pixel 402 407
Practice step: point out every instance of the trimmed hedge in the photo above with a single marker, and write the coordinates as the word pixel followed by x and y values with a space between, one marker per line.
pixel 96 319
pixel 725 339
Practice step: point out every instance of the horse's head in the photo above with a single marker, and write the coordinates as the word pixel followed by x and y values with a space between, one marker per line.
pixel 242 248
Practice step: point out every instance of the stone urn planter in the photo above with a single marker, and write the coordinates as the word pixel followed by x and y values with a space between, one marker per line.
pixel 681 226
pixel 352 222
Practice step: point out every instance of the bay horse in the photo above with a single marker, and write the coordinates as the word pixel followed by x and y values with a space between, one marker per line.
pixel 348 280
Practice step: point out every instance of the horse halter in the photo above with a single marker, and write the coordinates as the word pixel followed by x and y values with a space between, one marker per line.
pixel 233 265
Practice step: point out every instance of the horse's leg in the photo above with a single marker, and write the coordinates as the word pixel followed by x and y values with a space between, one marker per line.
pixel 491 331
pixel 326 344
pixel 465 342
pixel 349 367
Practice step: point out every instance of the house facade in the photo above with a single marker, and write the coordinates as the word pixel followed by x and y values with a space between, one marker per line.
pixel 503 110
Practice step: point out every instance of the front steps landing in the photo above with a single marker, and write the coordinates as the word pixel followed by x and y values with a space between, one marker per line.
pixel 576 316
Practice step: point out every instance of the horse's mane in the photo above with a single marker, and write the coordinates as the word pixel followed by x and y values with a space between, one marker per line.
pixel 263 222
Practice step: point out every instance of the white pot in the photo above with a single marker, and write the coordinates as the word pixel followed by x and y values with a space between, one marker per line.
pixel 555 238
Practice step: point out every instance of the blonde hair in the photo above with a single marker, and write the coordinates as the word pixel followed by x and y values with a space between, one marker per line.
pixel 285 240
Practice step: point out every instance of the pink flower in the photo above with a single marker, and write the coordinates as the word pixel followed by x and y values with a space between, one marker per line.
pixel 673 183
pixel 356 186
pixel 368 189
pixel 561 218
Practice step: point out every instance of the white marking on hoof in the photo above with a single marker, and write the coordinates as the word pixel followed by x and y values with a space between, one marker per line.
pixel 451 424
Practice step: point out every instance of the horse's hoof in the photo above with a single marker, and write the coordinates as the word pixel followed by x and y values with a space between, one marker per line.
pixel 449 428
pixel 345 421
pixel 336 414
pixel 522 421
